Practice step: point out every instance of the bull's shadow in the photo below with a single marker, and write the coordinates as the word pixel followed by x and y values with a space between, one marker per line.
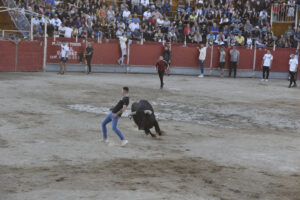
pixel 143 116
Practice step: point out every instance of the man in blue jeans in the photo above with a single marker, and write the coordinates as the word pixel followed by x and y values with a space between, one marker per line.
pixel 114 116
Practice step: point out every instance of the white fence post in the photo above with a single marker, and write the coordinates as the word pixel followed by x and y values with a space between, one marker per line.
pixel 254 61
pixel 45 45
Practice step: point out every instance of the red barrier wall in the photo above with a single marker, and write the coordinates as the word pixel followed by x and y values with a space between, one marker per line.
pixel 147 55
pixel 30 56
pixel 7 56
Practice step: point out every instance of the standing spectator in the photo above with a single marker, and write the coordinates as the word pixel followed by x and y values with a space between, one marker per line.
pixel 89 51
pixel 123 40
pixel 64 53
pixel 293 70
pixel 202 56
pixel 167 55
pixel 267 63
pixel 161 67
pixel 222 61
pixel 234 60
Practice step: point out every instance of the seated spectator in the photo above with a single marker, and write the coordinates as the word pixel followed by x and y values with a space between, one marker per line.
pixel 248 27
pixel 211 36
pixel 288 33
pixel 136 35
pixel 249 42
pixel 145 4
pixel 160 21
pixel 197 38
pixel 147 14
pixel 136 18
pixel 281 42
pixel 156 14
pixel 167 7
pixel 214 29
pixel 172 37
pixel 126 15
pixel 259 43
pixel 134 25
pixel 110 13
pixel 56 22
pixel 224 20
pixel 158 36
pixel 181 6
pixel 221 37
pixel 136 6
pixel 240 40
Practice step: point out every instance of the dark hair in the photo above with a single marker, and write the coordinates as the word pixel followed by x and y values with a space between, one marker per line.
pixel 126 89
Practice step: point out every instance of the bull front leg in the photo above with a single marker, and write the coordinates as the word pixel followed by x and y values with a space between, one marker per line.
pixel 157 129
pixel 147 131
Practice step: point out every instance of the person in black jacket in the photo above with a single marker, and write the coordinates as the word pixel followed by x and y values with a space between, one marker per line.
pixel 89 51
pixel 167 56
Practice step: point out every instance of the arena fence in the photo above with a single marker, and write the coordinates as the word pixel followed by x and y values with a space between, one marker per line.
pixel 28 56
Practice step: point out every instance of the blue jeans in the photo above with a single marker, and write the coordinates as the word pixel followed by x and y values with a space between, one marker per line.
pixel 201 66
pixel 114 121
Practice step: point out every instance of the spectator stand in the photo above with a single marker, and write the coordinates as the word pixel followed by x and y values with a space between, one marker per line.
pixel 18 16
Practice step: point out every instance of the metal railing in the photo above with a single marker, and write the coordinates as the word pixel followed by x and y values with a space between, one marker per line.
pixel 284 13
pixel 19 18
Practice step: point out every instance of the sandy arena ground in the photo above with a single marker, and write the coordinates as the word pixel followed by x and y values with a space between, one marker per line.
pixel 225 139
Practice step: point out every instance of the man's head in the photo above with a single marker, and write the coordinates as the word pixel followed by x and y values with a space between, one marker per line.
pixel 293 56
pixel 268 52
pixel 89 44
pixel 201 45
pixel 234 47
pixel 125 90
pixel 161 58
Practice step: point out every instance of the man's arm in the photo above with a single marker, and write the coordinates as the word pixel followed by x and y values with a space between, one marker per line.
pixel 120 112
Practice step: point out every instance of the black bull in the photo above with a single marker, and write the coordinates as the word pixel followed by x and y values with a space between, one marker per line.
pixel 143 116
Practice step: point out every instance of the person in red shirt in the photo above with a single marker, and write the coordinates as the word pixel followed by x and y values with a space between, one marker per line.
pixel 161 67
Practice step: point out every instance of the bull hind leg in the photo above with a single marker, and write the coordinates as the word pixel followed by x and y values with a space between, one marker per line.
pixel 147 131
pixel 157 129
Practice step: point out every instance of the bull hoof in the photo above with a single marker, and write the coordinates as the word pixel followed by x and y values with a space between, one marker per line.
pixel 162 133
pixel 154 136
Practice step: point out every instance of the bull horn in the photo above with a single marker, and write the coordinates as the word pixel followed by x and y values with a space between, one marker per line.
pixel 148 112
pixel 133 113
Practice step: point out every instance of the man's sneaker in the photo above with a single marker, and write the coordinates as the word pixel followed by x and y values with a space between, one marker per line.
pixel 266 80
pixel 105 140
pixel 295 85
pixel 262 80
pixel 119 62
pixel 124 142
pixel 201 76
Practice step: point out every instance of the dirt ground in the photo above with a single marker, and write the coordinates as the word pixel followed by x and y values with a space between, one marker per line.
pixel 226 139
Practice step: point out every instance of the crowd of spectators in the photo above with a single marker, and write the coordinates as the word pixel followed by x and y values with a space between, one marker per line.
pixel 221 22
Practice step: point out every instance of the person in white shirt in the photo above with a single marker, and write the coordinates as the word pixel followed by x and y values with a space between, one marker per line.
pixel 202 56
pixel 267 63
pixel 56 22
pixel 145 3
pixel 64 53
pixel 134 25
pixel 126 13
pixel 67 31
pixel 147 15
pixel 123 40
pixel 36 21
pixel 293 70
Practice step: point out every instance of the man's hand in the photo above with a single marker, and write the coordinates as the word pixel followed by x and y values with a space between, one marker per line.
pixel 114 116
